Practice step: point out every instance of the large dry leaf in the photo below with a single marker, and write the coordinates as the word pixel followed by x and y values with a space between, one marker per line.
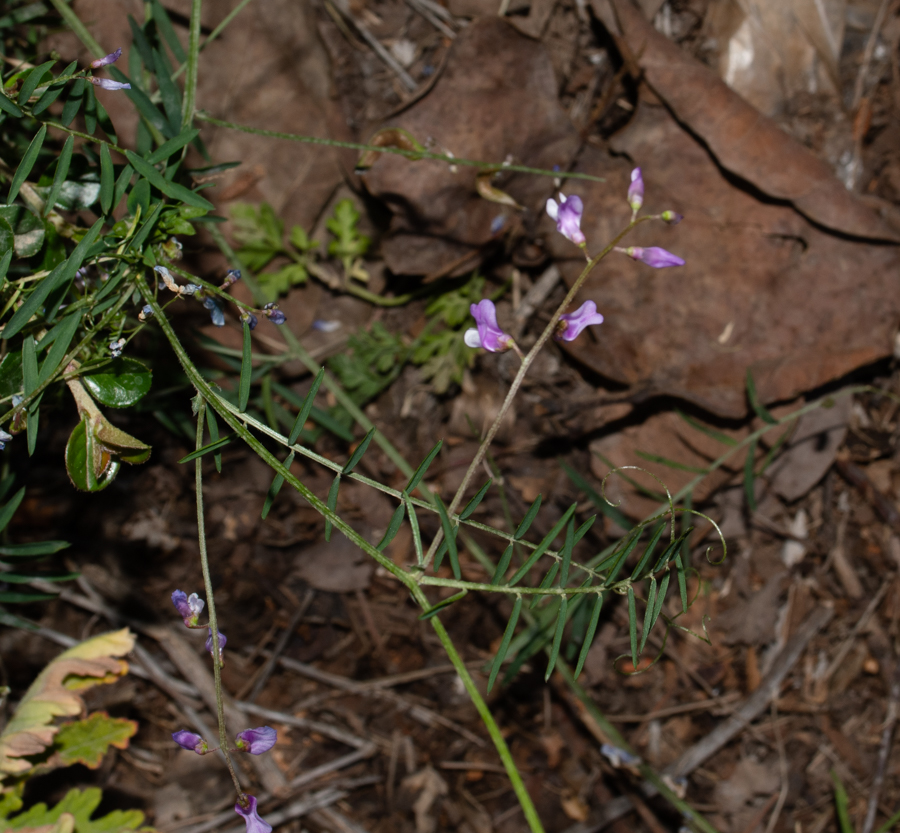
pixel 53 694
pixel 495 100
pixel 743 140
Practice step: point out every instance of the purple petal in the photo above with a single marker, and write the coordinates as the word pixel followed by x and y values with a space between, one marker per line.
pixel 222 640
pixel 257 741
pixel 568 218
pixel 490 336
pixel 636 191
pixel 109 84
pixel 255 824
pixel 106 60
pixel 571 324
pixel 654 256
pixel 190 741
pixel 188 607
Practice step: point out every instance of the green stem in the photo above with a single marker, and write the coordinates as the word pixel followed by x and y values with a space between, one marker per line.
pixel 193 66
pixel 210 600
pixel 414 155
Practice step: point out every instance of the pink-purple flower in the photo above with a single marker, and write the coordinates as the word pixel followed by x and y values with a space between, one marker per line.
pixel 636 191
pixel 109 84
pixel 190 741
pixel 571 324
pixel 652 256
pixel 188 607
pixel 106 60
pixel 256 741
pixel 488 333
pixel 567 214
pixel 255 824
pixel 673 218
pixel 222 641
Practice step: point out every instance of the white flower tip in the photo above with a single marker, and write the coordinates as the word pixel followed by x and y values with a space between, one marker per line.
pixel 472 339
pixel 552 209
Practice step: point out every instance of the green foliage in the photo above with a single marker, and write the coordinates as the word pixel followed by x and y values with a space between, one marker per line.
pixel 349 245
pixel 87 741
pixel 374 360
pixel 80 804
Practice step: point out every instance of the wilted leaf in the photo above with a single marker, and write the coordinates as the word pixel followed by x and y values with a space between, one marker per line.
pixel 52 694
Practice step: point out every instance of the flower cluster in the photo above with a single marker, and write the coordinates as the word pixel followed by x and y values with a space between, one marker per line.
pixel 107 83
pixel 214 304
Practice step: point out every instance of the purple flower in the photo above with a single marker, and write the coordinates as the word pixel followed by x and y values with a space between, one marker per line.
pixel 106 60
pixel 653 256
pixel 254 823
pixel 673 218
pixel 109 84
pixel 222 641
pixel 571 324
pixel 488 335
pixel 275 315
pixel 568 217
pixel 190 741
pixel 251 320
pixel 188 607
pixel 231 276
pixel 256 741
pixel 636 191
pixel 216 313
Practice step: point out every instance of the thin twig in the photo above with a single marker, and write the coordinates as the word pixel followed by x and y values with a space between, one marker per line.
pixel 785 773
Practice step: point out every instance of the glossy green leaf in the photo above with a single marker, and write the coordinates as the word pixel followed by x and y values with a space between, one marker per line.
pixel 119 384
pixel 648 614
pixel 393 527
pixel 472 505
pixel 25 578
pixel 167 31
pixel 7 106
pixel 450 533
pixel 507 638
pixel 246 369
pixel 26 164
pixel 584 528
pixel 13 597
pixel 7 242
pixel 53 91
pixel 32 81
pixel 89 469
pixel 165 150
pixel 530 515
pixel 29 365
pixel 648 551
pixel 208 449
pixel 589 636
pixel 32 417
pixel 213 426
pixel 419 473
pixel 62 333
pixel 546 583
pixel 170 189
pixel 502 565
pixel 682 582
pixel 306 407
pixel 62 171
pixel 568 546
pixel 557 637
pixel 74 99
pixel 433 611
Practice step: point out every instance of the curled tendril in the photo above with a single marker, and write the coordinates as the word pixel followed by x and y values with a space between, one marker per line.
pixel 718 532
pixel 659 480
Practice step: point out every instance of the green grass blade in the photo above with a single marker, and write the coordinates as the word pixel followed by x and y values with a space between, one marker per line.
pixel 672 464
pixel 502 565
pixel 718 436
pixel 682 582
pixel 648 614
pixel 543 546
pixel 64 332
pixel 419 473
pixel 213 426
pixel 557 637
pixel 545 583
pixel 589 636
pixel 38 549
pixel 9 508
pixel 761 411
pixel 841 805
pixel 357 455
pixel 208 449
pixel 7 106
pixel 107 179
pixel 450 533
pixel 27 163
pixel 166 149
pixel 632 626
pixel 167 31
pixel 530 515
pixel 74 99
pixel 31 83
pixel 170 189
pixel 246 369
pixel 472 505
pixel 414 528
pixel 62 171
pixel 305 407
pixel 433 611
pixel 568 546
pixel 275 488
pixel 584 528
pixel 660 599
pixel 648 551
pixel 393 527
pixel 332 503
pixel 890 823
pixel 507 638
pixel 669 552
pixel 30 376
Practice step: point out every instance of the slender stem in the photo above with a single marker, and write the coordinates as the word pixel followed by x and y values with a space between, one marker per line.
pixel 193 66
pixel 210 601
pixel 409 154
pixel 517 382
